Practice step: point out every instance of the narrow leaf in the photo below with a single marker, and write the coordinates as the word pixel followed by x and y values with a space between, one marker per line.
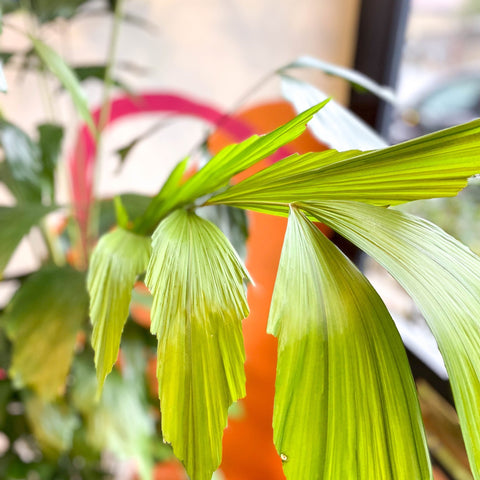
pixel 116 261
pixel 334 125
pixel 443 278
pixel 345 401
pixel 66 76
pixel 42 322
pixel 436 165
pixel 352 76
pixel 226 164
pixel 199 302
pixel 15 222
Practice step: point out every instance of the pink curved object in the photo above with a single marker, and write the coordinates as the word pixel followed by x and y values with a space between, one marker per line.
pixel 81 163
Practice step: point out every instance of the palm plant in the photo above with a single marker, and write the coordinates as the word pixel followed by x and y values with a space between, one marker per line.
pixel 345 402
pixel 342 375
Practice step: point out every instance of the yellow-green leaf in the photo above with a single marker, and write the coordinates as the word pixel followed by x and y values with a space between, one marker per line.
pixel 42 322
pixel 345 402
pixel 218 171
pixel 199 302
pixel 436 165
pixel 116 261
pixel 442 276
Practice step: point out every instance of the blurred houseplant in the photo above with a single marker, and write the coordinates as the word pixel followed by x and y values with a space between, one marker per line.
pixel 345 403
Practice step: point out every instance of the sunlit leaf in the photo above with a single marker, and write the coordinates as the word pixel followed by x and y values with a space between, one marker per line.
pixel 42 322
pixel 53 424
pixel 116 261
pixel 66 76
pixel 334 125
pixel 199 302
pixel 22 159
pixel 352 76
pixel 15 222
pixel 345 402
pixel 436 165
pixel 442 276
pixel 223 166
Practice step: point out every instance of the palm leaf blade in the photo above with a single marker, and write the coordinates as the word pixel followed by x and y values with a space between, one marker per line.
pixel 345 404
pixel 443 278
pixel 436 165
pixel 116 261
pixel 198 303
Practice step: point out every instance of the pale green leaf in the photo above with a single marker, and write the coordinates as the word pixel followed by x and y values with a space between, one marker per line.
pixel 345 401
pixel 436 165
pixel 356 78
pixel 334 125
pixel 199 302
pixel 227 163
pixel 15 222
pixel 3 80
pixel 116 261
pixel 42 322
pixel 67 77
pixel 442 276
pixel 53 424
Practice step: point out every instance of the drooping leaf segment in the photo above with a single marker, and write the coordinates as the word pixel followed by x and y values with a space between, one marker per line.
pixel 345 403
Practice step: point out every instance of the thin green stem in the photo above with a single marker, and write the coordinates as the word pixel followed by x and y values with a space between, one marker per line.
pixel 104 116
pixel 56 254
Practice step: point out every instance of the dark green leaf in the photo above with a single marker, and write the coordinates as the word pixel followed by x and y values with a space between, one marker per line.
pixel 23 158
pixel 196 280
pixel 50 143
pixel 5 57
pixel 9 6
pixel 48 10
pixel 96 72
pixel 15 222
pixel 345 400
pixel 42 322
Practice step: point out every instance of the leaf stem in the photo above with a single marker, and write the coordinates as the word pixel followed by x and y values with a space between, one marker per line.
pixel 93 227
